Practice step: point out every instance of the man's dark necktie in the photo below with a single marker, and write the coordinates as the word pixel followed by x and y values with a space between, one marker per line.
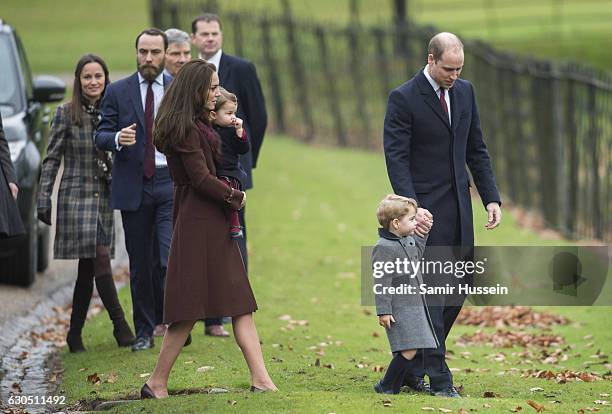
pixel 149 156
pixel 443 101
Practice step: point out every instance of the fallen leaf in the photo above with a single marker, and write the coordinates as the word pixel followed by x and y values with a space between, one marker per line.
pixel 536 406
pixel 366 311
pixel 81 369
pixel 191 361
pixel 445 410
pixel 601 402
pixel 490 394
pixel 386 403
pixel 463 411
pixel 146 374
pixel 205 368
pixel 534 389
pixel 285 317
pixel 94 378
pixel 232 402
pixel 485 405
pixel 603 394
pixel 112 378
pixel 508 316
pixel 428 409
pixel 517 409
pixel 375 334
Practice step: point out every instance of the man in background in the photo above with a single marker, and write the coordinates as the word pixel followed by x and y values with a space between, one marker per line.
pixel 141 187
pixel 178 52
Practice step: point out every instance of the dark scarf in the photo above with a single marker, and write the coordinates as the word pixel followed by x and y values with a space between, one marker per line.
pixel 104 158
pixel 211 137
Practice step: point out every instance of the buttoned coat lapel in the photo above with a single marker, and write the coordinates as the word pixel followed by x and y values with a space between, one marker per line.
pixel 431 98
pixel 456 97
pixel 134 91
pixel 224 70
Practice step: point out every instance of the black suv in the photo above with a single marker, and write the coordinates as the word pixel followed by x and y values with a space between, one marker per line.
pixel 26 126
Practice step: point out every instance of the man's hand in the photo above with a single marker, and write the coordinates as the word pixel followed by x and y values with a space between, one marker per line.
pixel 14 190
pixel 127 136
pixel 424 222
pixel 494 212
pixel 386 320
pixel 237 122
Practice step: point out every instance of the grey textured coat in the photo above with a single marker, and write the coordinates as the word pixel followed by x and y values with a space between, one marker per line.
pixel 413 328
pixel 83 196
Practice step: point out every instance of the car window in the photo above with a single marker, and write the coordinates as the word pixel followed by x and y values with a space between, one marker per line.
pixel 11 100
pixel 25 68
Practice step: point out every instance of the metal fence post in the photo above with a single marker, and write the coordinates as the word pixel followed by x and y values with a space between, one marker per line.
pixel 331 91
pixel 274 75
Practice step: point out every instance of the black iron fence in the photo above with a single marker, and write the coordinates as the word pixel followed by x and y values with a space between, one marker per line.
pixel 548 126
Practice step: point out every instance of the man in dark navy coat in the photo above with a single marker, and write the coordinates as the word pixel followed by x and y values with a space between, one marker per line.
pixel 141 187
pixel 239 77
pixel 431 132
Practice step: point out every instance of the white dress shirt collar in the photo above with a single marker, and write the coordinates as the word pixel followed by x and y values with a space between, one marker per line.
pixel 214 59
pixel 431 80
pixel 436 88
pixel 159 79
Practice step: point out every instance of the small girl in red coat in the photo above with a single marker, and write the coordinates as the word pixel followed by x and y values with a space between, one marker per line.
pixel 234 142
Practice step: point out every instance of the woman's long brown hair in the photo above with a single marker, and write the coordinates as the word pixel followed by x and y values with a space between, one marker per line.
pixel 76 104
pixel 183 103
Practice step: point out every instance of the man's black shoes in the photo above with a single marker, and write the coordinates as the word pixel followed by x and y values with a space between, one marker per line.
pixel 142 343
pixel 380 390
pixel 449 392
pixel 417 384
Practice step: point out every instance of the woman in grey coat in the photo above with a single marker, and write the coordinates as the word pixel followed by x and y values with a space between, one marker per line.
pixel 401 311
pixel 85 223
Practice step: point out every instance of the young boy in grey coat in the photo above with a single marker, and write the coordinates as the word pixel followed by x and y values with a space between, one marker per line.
pixel 401 309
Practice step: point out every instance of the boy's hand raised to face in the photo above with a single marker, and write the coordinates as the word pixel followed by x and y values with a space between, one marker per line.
pixel 386 320
pixel 424 222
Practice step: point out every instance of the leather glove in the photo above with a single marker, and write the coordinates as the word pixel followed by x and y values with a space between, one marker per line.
pixel 44 215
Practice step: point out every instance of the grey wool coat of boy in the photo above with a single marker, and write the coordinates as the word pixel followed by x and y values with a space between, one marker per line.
pixel 412 328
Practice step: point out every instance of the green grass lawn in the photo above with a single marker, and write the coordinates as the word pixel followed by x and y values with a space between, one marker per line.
pixel 57 33
pixel 311 211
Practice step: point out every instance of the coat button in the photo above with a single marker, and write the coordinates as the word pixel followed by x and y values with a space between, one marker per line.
pixel 95 194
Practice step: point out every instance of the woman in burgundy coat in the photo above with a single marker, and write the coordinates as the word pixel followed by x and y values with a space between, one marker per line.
pixel 206 275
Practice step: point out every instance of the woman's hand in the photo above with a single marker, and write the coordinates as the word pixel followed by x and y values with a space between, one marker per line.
pixel 386 321
pixel 237 199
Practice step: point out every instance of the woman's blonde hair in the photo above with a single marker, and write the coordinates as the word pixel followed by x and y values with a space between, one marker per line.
pixel 394 207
